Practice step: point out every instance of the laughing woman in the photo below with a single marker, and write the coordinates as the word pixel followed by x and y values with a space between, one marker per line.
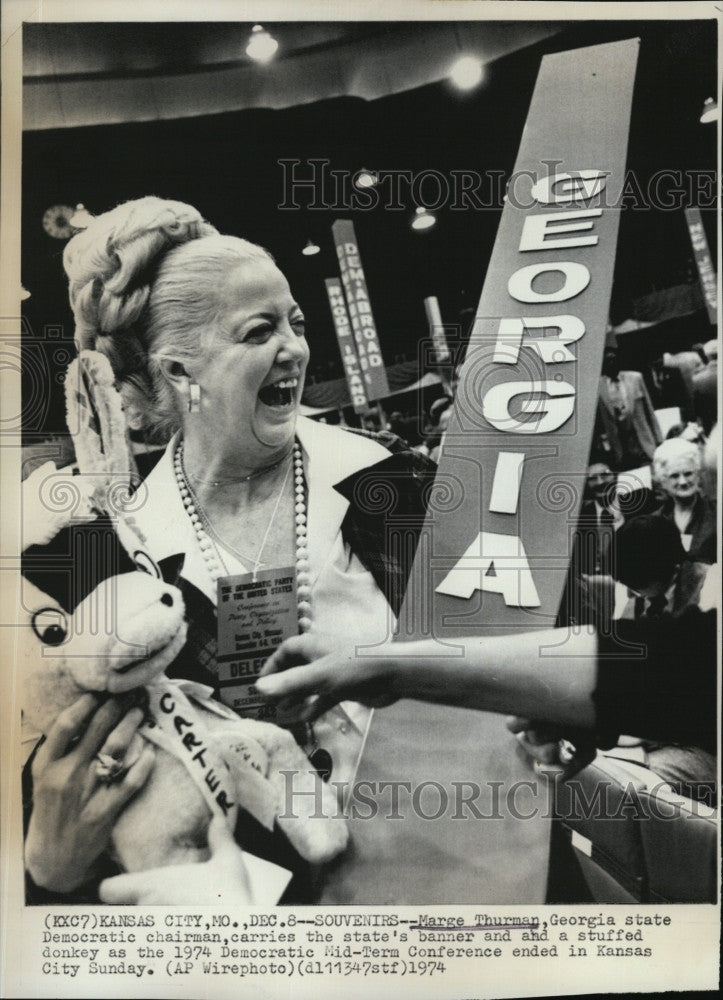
pixel 208 348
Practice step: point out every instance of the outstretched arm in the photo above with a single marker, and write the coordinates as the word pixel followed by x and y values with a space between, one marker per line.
pixel 509 674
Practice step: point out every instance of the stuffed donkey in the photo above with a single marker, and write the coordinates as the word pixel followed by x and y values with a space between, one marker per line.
pixel 207 757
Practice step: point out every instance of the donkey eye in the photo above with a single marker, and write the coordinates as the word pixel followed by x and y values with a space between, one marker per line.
pixel 51 626
pixel 145 564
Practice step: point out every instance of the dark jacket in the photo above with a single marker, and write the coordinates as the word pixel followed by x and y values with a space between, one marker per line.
pixel 702 526
pixel 651 684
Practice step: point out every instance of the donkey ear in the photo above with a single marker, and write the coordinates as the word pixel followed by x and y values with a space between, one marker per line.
pixel 145 564
pixel 171 568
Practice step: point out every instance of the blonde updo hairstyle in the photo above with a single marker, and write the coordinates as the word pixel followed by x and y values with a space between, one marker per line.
pixel 143 284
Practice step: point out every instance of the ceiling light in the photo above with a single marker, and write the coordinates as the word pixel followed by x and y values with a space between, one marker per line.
pixel 262 46
pixel 466 73
pixel 366 178
pixel 423 219
pixel 710 111
pixel 56 221
pixel 82 218
pixel 310 249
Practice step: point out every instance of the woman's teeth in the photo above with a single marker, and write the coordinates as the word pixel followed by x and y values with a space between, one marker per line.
pixel 280 393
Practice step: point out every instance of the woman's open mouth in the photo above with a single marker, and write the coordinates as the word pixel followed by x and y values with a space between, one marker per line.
pixel 281 393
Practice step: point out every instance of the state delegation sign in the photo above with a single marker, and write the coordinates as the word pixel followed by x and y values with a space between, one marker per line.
pixel 493 554
pixel 360 310
pixel 347 344
pixel 514 459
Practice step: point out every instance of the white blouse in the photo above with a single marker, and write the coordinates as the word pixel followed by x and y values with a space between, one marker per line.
pixel 346 602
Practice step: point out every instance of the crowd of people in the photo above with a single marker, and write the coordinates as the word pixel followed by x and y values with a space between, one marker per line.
pixel 644 544
pixel 208 351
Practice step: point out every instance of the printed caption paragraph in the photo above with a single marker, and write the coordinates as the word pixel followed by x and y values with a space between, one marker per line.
pixel 309 944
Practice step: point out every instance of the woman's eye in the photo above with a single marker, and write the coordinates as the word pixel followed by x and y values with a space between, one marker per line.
pixel 50 626
pixel 258 335
pixel 299 325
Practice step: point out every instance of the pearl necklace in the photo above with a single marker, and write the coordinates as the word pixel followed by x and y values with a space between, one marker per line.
pixel 212 556
pixel 218 542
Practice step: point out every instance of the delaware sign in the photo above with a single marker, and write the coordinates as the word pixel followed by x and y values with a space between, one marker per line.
pixel 360 310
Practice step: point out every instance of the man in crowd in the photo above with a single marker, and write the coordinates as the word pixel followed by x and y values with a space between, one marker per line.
pixel 626 420
pixel 605 508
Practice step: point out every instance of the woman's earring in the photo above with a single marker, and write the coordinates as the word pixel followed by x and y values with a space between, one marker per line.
pixel 194 397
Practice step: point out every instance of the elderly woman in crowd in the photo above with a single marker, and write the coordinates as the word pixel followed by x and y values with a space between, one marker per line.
pixel 207 344
pixel 677 466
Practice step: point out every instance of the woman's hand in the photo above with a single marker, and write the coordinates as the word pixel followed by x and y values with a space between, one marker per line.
pixel 221 879
pixel 551 754
pixel 74 805
pixel 307 676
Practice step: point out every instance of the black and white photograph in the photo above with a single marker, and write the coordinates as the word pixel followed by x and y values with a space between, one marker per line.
pixel 360 467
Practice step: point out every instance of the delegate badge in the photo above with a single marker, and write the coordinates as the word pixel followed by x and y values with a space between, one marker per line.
pixel 256 612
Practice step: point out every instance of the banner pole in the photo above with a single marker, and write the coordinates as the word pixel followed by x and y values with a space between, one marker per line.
pixel 493 557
